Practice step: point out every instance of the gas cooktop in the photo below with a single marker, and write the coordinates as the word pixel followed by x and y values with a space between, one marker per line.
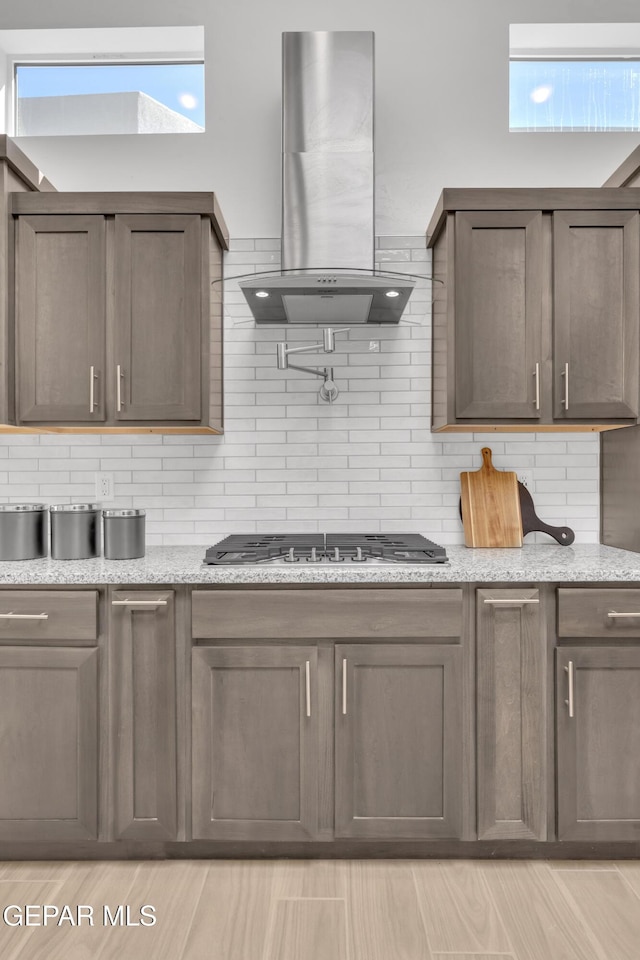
pixel 327 548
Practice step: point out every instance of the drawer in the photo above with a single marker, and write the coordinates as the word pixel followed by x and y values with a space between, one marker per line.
pixel 48 615
pixel 598 613
pixel 339 614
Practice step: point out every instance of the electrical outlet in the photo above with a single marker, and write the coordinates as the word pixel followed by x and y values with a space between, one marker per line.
pixel 526 478
pixel 104 486
pixel 374 346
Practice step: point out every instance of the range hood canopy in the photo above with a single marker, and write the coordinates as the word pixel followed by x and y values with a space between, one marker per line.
pixel 327 191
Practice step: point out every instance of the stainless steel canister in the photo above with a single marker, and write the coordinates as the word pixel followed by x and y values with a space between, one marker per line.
pixel 123 534
pixel 23 531
pixel 75 531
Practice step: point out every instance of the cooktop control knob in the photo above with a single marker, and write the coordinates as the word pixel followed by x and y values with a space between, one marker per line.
pixel 336 558
pixel 291 556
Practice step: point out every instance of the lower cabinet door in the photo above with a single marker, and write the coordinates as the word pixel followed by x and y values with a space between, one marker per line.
pixel 255 748
pixel 48 743
pixel 143 701
pixel 598 715
pixel 398 740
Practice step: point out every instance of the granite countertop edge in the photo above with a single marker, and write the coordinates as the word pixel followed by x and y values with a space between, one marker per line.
pixel 539 563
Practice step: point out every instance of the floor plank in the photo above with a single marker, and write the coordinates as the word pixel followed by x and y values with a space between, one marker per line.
pixel 582 864
pixel 383 914
pixel 34 870
pixel 174 889
pixel 473 956
pixel 611 909
pixel 537 917
pixel 458 913
pixel 13 939
pixel 232 916
pixel 309 878
pixel 630 870
pixel 310 929
pixel 93 884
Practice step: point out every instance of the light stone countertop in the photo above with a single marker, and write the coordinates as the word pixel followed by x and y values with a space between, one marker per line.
pixel 537 563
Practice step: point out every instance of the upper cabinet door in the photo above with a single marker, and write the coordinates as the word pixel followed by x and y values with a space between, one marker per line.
pixel 498 314
pixel 158 317
pixel 596 272
pixel 60 319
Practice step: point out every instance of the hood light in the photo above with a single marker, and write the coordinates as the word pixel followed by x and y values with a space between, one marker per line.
pixel 392 293
pixel 262 293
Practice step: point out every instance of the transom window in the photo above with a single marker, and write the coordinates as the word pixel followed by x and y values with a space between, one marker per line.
pixel 574 77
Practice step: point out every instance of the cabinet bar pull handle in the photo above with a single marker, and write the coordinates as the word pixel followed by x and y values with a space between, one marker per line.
pixel 566 386
pixel 344 688
pixel 119 376
pixel 570 701
pixel 124 603
pixel 537 376
pixel 24 616
pixel 307 679
pixel 511 600
pixel 92 379
pixel 613 613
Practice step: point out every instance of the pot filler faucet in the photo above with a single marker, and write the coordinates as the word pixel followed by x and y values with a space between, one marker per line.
pixel 329 389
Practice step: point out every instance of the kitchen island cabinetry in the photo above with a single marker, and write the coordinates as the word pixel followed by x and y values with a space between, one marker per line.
pixel 511 715
pixel 49 732
pixel 255 742
pixel 598 714
pixel 118 325
pixel 398 740
pixel 143 706
pixel 536 309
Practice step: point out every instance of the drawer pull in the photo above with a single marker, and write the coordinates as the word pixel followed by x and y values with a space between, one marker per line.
pixel 24 616
pixel 570 701
pixel 512 600
pixel 612 614
pixel 344 688
pixel 307 683
pixel 137 603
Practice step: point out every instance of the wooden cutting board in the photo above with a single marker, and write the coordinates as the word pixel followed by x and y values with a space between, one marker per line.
pixel 490 506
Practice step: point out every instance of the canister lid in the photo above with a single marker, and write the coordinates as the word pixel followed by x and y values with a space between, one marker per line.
pixel 123 512
pixel 22 507
pixel 74 507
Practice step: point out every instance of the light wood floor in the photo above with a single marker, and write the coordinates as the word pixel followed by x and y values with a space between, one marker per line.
pixel 333 910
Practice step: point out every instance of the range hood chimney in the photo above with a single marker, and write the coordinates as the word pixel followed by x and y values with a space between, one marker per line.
pixel 327 190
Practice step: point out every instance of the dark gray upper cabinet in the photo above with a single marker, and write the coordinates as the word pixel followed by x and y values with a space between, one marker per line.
pixel 596 283
pixel 536 309
pixel 598 743
pixel 498 282
pixel 117 322
pixel 158 329
pixel 398 740
pixel 60 319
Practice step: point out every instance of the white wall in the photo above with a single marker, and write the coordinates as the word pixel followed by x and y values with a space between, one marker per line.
pixel 442 104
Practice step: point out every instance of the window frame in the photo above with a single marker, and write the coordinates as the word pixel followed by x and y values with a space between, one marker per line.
pixel 14 61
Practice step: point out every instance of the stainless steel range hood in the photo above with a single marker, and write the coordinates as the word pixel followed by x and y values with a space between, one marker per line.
pixel 327 191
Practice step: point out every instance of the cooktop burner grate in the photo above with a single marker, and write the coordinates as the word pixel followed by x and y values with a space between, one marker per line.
pixel 320 548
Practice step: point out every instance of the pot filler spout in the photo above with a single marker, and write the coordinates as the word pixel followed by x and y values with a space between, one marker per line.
pixel 328 225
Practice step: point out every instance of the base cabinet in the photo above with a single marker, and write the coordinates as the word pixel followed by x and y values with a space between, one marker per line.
pixel 398 740
pixel 255 747
pixel 143 663
pixel 598 743
pixel 48 743
pixel 511 716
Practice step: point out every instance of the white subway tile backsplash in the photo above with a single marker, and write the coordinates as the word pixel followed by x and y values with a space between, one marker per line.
pixel 290 462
